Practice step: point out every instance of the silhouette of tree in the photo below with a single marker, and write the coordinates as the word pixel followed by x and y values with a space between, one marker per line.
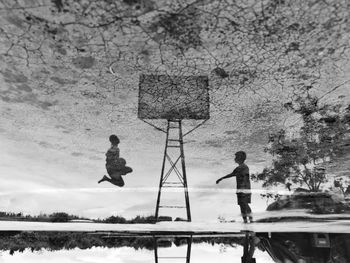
pixel 302 159
pixel 19 241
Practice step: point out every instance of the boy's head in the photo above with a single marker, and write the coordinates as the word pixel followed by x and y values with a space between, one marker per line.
pixel 240 157
pixel 114 139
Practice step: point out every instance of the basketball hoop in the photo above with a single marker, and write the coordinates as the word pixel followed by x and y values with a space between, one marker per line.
pixel 173 98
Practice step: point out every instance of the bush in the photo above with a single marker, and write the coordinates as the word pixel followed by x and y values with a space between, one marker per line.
pixel 59 217
pixel 115 220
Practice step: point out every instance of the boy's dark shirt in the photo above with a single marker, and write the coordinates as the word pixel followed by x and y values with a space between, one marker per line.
pixel 242 176
pixel 113 161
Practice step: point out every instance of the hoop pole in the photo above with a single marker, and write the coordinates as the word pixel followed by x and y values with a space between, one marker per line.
pixel 154 126
pixel 189 241
pixel 189 248
pixel 195 127
pixel 188 210
pixel 162 173
pixel 155 244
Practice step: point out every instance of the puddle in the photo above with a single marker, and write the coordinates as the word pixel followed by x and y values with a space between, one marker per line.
pixel 247 247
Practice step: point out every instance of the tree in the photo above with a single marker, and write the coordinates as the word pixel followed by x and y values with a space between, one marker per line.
pixel 115 220
pixel 61 217
pixel 343 184
pixel 301 159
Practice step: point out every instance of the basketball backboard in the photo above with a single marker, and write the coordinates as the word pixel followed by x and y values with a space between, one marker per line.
pixel 173 97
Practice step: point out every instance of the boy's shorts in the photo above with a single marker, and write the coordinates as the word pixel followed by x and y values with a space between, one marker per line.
pixel 120 170
pixel 243 198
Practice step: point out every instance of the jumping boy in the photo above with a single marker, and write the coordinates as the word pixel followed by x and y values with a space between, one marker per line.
pixel 243 185
pixel 115 165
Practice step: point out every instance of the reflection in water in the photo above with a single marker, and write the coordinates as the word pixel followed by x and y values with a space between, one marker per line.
pixel 282 247
pixel 159 241
pixel 249 247
pixel 307 247
pixel 249 242
pixel 245 247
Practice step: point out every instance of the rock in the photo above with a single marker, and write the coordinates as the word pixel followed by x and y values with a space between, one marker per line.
pixel 319 203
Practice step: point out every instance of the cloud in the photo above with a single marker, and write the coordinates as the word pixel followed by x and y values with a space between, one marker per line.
pixel 21 94
pixel 214 143
pixel 76 154
pixel 96 158
pixel 232 132
pixel 45 144
pixel 63 81
pixel 11 77
pixel 88 202
pixel 24 87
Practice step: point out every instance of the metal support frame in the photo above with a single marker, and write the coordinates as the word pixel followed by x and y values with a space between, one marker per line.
pixel 188 253
pixel 173 143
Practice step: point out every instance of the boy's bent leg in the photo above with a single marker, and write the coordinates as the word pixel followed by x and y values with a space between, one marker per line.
pixel 116 179
pixel 118 182
pixel 249 213
pixel 243 212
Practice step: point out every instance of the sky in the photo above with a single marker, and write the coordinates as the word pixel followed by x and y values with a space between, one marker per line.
pixel 52 158
pixel 59 106
pixel 199 253
pixel 43 175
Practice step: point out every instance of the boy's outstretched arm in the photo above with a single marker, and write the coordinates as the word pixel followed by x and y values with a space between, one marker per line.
pixel 225 177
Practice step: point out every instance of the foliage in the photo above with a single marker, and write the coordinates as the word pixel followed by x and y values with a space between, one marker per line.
pixel 343 184
pixel 115 220
pixel 64 217
pixel 59 217
pixel 142 220
pixel 300 160
pixel 55 217
pixel 19 241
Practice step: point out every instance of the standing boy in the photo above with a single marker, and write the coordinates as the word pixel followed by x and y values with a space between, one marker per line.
pixel 243 185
